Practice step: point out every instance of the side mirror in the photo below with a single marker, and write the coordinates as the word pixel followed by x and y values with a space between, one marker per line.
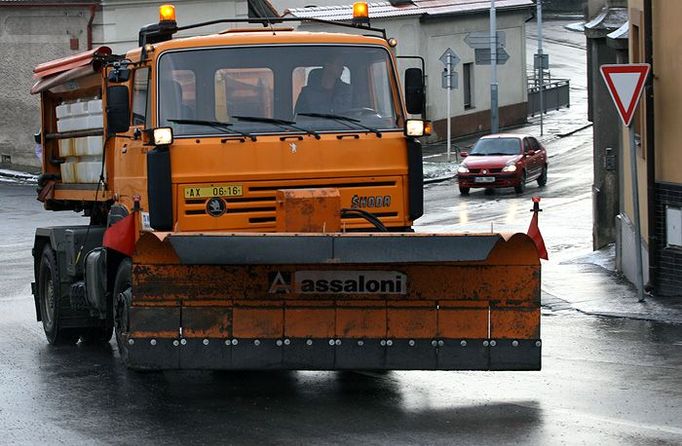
pixel 414 91
pixel 463 154
pixel 119 74
pixel 118 109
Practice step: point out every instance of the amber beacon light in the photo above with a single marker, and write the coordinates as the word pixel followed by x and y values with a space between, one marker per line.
pixel 167 13
pixel 360 13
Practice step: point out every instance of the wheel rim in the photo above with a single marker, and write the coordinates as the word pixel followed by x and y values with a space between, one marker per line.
pixel 47 303
pixel 121 314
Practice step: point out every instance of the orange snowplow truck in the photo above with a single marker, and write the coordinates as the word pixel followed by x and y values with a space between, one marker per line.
pixel 250 197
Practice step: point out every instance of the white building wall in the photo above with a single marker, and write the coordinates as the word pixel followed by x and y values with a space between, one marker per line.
pixel 122 19
pixel 511 76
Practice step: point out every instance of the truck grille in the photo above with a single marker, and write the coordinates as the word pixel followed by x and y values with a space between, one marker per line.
pixel 257 207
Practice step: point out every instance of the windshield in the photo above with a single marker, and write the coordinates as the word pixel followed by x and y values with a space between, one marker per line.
pixel 496 146
pixel 266 89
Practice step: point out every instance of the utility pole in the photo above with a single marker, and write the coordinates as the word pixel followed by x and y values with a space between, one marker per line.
pixel 541 67
pixel 448 67
pixel 494 118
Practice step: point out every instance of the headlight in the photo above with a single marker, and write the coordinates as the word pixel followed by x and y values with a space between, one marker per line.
pixel 414 127
pixel 163 136
pixel 509 168
pixel 462 169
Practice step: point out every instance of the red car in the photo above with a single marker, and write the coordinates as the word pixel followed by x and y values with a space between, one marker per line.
pixel 503 160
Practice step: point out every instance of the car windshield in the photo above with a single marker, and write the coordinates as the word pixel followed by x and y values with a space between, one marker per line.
pixel 496 146
pixel 275 89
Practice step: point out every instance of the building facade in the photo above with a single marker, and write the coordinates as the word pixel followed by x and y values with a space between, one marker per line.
pixel 32 32
pixel 654 37
pixel 608 16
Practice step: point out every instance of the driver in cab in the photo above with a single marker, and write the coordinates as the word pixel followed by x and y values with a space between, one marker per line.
pixel 325 92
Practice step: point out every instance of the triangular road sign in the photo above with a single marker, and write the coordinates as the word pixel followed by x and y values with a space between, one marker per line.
pixel 625 83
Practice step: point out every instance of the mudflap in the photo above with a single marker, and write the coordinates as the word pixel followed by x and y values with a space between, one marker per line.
pixel 335 302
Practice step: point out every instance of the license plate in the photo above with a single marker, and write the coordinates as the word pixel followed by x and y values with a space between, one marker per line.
pixel 217 190
pixel 484 179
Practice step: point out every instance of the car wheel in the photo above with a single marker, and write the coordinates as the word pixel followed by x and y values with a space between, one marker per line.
pixel 122 297
pixel 542 179
pixel 522 185
pixel 52 304
pixel 464 190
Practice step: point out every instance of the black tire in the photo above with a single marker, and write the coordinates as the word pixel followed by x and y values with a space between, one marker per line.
pixel 464 190
pixel 121 298
pixel 542 179
pixel 521 188
pixel 53 306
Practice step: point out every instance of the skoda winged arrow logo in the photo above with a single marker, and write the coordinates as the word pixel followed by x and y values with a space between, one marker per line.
pixel 215 207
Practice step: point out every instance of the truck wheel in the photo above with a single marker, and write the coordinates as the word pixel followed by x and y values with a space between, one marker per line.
pixel 52 305
pixel 463 190
pixel 122 298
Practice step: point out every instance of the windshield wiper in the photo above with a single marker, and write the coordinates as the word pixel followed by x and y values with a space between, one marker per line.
pixel 342 118
pixel 276 121
pixel 224 126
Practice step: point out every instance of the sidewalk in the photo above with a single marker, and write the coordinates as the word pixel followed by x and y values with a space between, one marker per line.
pixel 590 285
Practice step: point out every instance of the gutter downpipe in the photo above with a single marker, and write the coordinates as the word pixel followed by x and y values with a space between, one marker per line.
pixel 93 11
pixel 650 145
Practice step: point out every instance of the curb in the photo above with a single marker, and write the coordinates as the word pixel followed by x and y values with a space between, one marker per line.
pixel 572 306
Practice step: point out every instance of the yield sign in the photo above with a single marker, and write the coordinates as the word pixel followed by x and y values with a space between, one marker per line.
pixel 625 83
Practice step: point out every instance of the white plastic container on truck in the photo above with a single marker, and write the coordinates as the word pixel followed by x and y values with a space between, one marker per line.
pixel 88 146
pixel 68 170
pixel 88 168
pixel 66 147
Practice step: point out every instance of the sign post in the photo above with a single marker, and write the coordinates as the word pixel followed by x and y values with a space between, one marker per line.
pixel 449 59
pixel 494 118
pixel 625 84
pixel 542 68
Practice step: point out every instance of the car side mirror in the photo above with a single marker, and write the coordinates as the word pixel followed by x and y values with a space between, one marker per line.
pixel 118 109
pixel 464 154
pixel 414 91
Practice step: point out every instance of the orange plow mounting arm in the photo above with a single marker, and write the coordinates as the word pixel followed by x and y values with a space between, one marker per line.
pixel 335 301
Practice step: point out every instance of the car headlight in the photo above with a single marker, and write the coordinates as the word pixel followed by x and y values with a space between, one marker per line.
pixel 509 168
pixel 462 169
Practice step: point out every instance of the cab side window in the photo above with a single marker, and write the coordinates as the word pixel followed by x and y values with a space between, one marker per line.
pixel 140 96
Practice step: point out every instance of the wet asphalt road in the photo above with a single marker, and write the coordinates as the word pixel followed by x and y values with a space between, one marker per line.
pixel 604 381
pixel 608 381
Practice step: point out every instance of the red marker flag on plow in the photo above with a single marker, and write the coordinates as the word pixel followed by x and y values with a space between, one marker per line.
pixel 121 235
pixel 534 230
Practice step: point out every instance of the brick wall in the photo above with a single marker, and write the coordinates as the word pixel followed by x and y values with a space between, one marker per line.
pixel 668 260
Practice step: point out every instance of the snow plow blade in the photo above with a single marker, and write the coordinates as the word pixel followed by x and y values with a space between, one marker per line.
pixel 335 302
